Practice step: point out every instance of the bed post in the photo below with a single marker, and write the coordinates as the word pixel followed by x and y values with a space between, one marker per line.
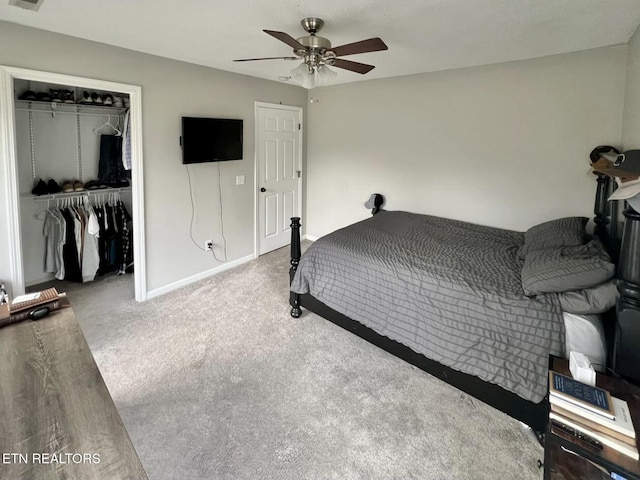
pixel 600 208
pixel 627 342
pixel 294 298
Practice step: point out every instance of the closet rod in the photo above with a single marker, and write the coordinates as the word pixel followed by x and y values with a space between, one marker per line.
pixel 70 113
pixel 84 193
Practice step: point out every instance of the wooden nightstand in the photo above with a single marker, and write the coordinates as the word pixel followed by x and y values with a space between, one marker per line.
pixel 568 458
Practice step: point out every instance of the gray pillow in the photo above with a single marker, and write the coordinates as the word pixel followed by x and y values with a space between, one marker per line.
pixel 565 269
pixel 562 232
pixel 592 300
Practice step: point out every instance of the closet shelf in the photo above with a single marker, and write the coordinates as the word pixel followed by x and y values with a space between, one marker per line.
pixel 73 108
pixel 83 193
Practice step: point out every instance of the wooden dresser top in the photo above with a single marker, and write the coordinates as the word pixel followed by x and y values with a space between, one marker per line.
pixel 57 418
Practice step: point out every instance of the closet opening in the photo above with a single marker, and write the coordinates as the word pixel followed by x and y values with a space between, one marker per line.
pixel 74 158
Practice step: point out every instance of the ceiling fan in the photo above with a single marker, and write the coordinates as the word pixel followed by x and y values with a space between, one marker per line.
pixel 317 52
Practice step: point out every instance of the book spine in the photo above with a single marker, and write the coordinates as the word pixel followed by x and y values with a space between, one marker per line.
pixel 595 418
pixel 593 425
pixel 583 405
pixel 605 439
pixel 24 314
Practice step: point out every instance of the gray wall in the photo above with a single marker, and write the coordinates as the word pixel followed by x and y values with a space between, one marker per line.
pixel 631 122
pixel 504 145
pixel 170 90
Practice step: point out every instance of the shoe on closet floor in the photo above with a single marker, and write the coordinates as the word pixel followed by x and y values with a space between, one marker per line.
pixel 78 186
pixel 40 188
pixel 53 187
pixel 67 186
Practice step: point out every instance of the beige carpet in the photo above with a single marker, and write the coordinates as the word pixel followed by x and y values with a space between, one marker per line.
pixel 217 381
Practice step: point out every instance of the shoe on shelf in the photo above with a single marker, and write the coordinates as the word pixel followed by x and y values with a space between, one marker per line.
pixel 67 96
pixel 67 186
pixel 78 186
pixel 91 185
pixel 40 188
pixel 96 98
pixel 86 98
pixel 28 95
pixel 117 102
pixel 43 97
pixel 107 100
pixel 53 187
pixel 56 95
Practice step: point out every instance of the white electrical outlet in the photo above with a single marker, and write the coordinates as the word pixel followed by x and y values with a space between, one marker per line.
pixel 239 179
pixel 208 245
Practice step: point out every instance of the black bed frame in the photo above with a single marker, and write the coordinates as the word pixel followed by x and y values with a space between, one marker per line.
pixel 623 324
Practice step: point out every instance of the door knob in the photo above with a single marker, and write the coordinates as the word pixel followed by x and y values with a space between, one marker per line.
pixel 262 189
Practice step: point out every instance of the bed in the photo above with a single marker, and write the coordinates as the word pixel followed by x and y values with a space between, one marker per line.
pixel 449 297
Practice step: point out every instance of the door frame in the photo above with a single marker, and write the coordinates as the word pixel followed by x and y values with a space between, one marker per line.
pixel 256 202
pixel 9 163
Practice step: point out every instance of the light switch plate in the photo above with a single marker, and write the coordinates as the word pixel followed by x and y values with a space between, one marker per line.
pixel 239 179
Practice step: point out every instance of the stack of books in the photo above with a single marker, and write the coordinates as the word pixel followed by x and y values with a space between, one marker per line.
pixel 33 305
pixel 592 414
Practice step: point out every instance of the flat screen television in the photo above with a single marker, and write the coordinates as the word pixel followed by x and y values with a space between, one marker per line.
pixel 211 139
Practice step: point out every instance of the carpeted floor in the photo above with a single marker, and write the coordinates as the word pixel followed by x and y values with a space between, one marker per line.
pixel 217 381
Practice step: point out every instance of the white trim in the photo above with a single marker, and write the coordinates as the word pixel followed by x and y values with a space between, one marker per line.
pixel 256 197
pixel 12 197
pixel 310 238
pixel 8 160
pixel 199 276
pixel 47 277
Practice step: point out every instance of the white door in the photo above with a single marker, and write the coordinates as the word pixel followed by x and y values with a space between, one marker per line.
pixel 279 132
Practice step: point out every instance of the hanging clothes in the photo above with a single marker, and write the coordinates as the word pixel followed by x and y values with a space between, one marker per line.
pixel 70 249
pixel 126 142
pixel 83 241
pixel 110 168
pixel 90 253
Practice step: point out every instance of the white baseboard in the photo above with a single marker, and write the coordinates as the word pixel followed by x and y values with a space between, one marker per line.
pixel 47 277
pixel 310 238
pixel 194 278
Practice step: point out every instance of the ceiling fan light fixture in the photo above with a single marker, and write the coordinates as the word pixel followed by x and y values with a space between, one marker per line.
pixel 302 77
pixel 309 76
pixel 317 53
pixel 324 76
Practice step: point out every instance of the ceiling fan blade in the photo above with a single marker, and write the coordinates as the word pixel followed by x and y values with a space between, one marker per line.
pixel 353 66
pixel 363 46
pixel 286 38
pixel 266 58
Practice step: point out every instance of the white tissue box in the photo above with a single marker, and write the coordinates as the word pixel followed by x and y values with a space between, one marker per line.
pixel 581 368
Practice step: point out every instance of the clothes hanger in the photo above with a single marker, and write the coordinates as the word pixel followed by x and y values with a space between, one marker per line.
pixel 42 214
pixel 108 123
pixel 117 127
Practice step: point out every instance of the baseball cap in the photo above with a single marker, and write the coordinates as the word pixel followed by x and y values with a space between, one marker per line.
pixel 635 203
pixel 629 161
pixel 375 200
pixel 626 189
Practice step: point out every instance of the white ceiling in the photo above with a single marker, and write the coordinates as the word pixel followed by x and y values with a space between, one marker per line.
pixel 422 35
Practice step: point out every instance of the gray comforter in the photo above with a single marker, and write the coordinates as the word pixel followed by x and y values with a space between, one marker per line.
pixel 447 289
